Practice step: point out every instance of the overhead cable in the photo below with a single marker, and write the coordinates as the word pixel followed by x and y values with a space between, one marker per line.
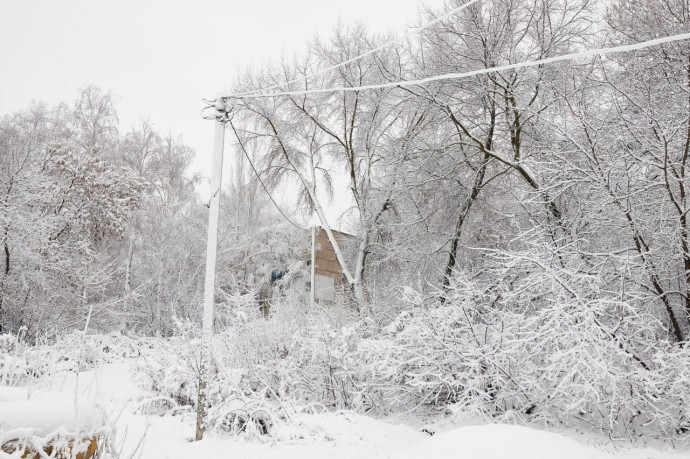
pixel 258 176
pixel 412 30
pixel 457 76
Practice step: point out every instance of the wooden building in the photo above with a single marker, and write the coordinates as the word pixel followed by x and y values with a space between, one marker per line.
pixel 329 274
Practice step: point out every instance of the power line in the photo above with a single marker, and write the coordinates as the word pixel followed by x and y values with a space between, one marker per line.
pixel 413 30
pixel 457 76
pixel 251 163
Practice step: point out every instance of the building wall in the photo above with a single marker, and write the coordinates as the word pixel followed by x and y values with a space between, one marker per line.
pixel 326 261
pixel 329 274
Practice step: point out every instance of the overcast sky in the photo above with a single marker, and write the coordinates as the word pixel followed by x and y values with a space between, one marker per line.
pixel 160 58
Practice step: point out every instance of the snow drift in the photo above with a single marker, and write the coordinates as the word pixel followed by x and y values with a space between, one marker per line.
pixel 495 441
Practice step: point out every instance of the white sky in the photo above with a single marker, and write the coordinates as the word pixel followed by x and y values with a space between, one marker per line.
pixel 160 58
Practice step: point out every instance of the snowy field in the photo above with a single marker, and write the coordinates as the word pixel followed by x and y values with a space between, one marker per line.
pixel 342 434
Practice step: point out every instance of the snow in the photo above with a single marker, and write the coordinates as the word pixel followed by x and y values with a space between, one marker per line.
pixel 335 435
pixel 501 442
pixel 342 434
pixel 45 411
pixel 495 441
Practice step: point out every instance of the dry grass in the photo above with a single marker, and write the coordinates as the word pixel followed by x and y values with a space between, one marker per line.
pixel 86 448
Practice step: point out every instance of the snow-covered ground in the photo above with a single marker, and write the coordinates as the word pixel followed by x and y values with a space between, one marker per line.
pixel 332 435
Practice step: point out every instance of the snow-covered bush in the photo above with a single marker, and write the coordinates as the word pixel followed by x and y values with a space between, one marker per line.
pixel 237 403
pixel 21 363
pixel 264 369
pixel 298 353
pixel 324 368
pixel 549 345
pixel 170 373
pixel 529 341
pixel 15 368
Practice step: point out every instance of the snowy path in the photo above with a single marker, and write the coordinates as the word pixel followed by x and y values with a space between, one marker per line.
pixel 331 435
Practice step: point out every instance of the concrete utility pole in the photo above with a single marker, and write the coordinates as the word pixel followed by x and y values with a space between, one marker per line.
pixel 221 117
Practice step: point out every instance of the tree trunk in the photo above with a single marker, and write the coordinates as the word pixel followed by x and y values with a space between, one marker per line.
pixel 4 280
pixel 7 258
pixel 464 211
pixel 128 271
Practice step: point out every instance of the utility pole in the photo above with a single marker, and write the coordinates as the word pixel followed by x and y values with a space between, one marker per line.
pixel 221 116
pixel 312 296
